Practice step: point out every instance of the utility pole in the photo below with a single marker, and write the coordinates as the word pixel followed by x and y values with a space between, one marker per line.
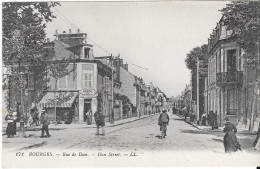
pixel 198 104
pixel 112 89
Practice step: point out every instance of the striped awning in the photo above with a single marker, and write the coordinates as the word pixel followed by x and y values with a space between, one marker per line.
pixel 61 99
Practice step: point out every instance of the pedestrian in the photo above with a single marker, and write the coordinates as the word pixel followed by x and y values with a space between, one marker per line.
pixel 163 121
pixel 256 143
pixel 213 121
pixel 89 117
pixel 44 119
pixel 230 140
pixel 100 122
pixel 11 118
pixel 192 116
pixel 203 119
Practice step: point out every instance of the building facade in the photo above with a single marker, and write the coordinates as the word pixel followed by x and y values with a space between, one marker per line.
pixel 225 75
pixel 86 86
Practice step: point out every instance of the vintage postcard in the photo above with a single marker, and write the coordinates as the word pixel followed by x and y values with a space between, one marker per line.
pixel 130 84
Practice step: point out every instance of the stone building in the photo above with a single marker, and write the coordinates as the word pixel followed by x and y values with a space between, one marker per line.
pixel 86 86
pixel 225 75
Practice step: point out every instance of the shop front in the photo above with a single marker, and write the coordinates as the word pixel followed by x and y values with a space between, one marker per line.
pixel 61 106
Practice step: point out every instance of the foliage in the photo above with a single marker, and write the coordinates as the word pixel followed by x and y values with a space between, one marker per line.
pixel 191 59
pixel 125 102
pixel 23 36
pixel 243 18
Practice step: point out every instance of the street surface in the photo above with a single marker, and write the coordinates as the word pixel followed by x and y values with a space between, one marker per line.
pixel 132 143
pixel 138 135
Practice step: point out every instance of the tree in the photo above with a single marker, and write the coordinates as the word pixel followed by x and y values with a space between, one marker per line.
pixel 191 59
pixel 191 63
pixel 243 18
pixel 23 35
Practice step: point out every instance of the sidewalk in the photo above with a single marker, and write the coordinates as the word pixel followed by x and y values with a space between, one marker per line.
pixel 78 125
pixel 208 128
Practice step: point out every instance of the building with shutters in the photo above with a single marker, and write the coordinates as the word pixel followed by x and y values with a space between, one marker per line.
pixel 225 75
pixel 85 86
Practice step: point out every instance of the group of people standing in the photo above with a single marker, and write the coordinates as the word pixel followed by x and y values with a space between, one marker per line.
pixel 11 119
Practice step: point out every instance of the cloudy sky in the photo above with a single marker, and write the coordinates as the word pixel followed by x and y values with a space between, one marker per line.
pixel 153 35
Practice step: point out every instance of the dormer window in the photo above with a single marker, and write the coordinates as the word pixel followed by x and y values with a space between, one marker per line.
pixel 86 53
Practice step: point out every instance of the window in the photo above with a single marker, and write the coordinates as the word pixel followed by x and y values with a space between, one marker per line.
pixel 88 76
pixel 86 53
pixel 88 79
pixel 106 83
pixel 62 82
pixel 30 81
pixel 231 102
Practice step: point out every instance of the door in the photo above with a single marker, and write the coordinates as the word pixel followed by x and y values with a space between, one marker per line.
pixel 87 106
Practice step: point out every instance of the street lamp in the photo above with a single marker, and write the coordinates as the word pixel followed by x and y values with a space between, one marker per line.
pixel 22 82
pixel 198 104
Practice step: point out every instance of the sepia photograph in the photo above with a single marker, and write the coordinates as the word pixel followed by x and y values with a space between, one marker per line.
pixel 91 84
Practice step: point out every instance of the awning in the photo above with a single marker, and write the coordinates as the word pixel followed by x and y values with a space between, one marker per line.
pixel 63 99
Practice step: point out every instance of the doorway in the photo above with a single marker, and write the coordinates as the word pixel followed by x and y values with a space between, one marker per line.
pixel 87 107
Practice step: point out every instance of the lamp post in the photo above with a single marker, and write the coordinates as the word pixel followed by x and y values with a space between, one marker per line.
pixel 198 90
pixel 112 90
pixel 22 86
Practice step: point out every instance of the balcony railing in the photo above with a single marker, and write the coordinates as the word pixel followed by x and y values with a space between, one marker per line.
pixel 229 78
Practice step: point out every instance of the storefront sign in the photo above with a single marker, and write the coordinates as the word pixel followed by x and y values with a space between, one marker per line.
pixel 88 92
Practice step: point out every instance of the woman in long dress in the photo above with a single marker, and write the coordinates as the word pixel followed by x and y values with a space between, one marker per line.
pixel 11 126
pixel 230 140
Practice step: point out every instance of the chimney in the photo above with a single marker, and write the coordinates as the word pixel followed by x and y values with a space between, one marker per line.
pixel 48 40
pixel 125 66
pixel 78 30
pixel 69 30
pixel 56 32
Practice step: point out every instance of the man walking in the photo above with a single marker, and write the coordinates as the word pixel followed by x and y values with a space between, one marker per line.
pixel 163 121
pixel 44 119
pixel 100 122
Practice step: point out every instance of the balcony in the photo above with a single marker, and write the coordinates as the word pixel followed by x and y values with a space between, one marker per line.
pixel 229 78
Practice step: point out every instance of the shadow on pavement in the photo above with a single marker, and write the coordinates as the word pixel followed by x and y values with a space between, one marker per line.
pixel 195 131
pixel 217 140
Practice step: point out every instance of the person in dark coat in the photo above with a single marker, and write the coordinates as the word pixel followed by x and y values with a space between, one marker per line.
pixel 44 119
pixel 203 119
pixel 163 121
pixel 100 122
pixel 11 126
pixel 213 120
pixel 230 140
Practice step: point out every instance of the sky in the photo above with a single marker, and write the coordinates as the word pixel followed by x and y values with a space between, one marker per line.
pixel 153 35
